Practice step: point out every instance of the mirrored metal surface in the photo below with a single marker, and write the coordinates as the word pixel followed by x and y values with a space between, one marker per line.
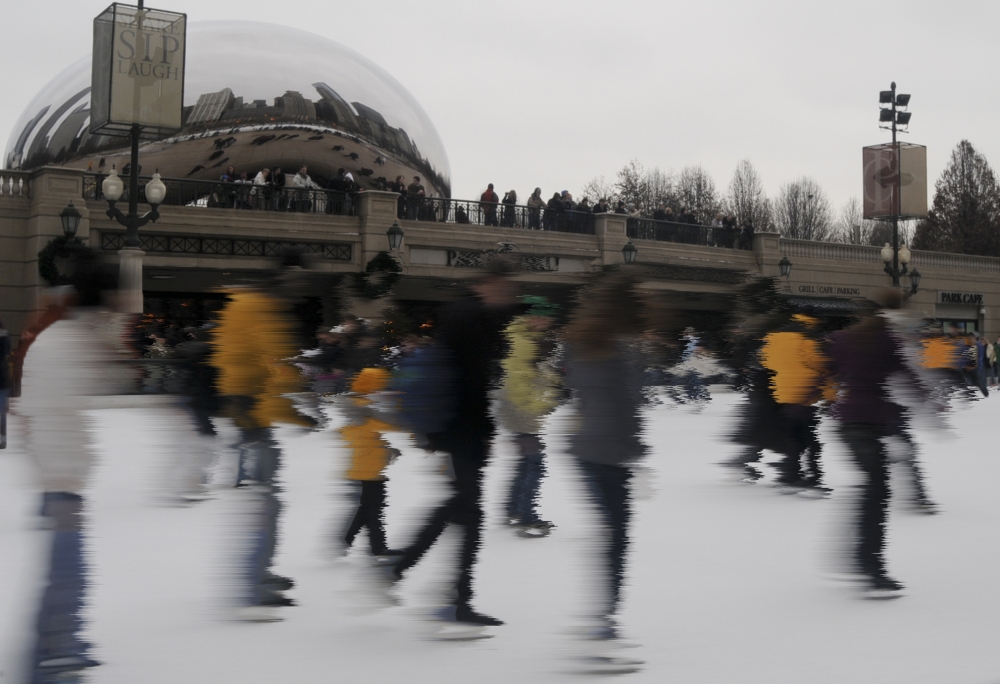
pixel 257 95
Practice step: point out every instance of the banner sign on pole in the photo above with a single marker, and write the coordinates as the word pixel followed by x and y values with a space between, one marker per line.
pixel 138 71
pixel 884 175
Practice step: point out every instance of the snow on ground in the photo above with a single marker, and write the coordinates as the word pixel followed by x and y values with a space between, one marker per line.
pixel 728 582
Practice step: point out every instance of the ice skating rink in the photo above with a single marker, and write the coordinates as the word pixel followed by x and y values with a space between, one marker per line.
pixel 727 581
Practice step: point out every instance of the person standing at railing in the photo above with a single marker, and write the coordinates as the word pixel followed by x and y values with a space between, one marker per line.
pixel 535 205
pixel 278 182
pixel 261 192
pixel 414 198
pixel 228 198
pixel 399 186
pixel 602 206
pixel 553 211
pixel 729 231
pixel 620 207
pixel 509 212
pixel 488 206
pixel 4 383
pixel 746 236
pixel 343 184
pixel 632 211
pixel 660 214
pixel 243 191
pixel 304 187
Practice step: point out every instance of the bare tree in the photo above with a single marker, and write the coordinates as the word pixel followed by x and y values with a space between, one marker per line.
pixel 597 188
pixel 661 187
pixel 802 211
pixel 631 184
pixel 696 191
pixel 854 229
pixel 746 200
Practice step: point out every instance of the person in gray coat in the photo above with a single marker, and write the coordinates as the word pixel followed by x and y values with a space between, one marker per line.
pixel 605 371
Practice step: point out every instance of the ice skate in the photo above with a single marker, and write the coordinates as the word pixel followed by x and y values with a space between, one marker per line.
pixel 607 665
pixel 461 623
pixel 542 528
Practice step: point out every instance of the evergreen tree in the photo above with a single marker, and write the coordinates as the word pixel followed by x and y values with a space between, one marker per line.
pixel 965 215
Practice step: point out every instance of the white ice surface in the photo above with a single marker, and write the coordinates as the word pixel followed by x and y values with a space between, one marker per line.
pixel 728 582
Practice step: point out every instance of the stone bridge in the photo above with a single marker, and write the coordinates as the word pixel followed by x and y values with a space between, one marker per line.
pixel 196 249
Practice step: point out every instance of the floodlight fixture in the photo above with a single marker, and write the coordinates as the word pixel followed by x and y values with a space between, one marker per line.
pixel 903 118
pixel 903 100
pixel 885 97
pixel 885 115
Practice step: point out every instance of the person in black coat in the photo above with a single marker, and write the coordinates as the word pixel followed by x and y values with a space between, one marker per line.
pixel 470 333
pixel 278 181
pixel 553 211
pixel 4 383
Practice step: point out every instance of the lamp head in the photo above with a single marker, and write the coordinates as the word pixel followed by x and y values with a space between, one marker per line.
pixel 112 187
pixel 885 97
pixel 902 100
pixel 903 118
pixel 395 234
pixel 785 266
pixel 886 253
pixel 904 255
pixel 629 252
pixel 914 281
pixel 885 115
pixel 156 191
pixel 70 217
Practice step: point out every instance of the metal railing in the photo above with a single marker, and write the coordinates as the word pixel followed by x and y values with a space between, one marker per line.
pixel 687 233
pixel 489 214
pixel 217 194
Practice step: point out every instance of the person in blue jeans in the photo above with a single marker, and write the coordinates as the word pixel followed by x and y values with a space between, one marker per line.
pixel 530 391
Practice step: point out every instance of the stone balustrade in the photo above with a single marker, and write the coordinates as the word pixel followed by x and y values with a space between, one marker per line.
pixel 15 184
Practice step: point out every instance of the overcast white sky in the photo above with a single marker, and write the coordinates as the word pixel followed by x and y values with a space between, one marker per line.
pixel 529 93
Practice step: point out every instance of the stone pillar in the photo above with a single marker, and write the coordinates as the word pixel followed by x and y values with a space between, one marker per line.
pixel 767 252
pixel 29 220
pixel 130 280
pixel 611 237
pixel 377 211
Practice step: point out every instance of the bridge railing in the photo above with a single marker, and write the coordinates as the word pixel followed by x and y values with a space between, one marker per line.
pixel 198 193
pixel 490 214
pixel 686 233
pixel 15 184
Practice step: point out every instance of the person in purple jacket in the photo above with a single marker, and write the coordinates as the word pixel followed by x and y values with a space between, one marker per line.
pixel 867 361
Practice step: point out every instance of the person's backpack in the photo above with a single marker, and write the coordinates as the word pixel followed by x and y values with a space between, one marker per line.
pixel 426 388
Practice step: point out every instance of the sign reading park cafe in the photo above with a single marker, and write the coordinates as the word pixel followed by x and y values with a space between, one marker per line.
pixel 138 71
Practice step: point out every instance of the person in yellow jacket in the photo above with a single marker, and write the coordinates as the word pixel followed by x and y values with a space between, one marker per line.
pixel 530 391
pixel 370 454
pixel 251 344
pixel 798 379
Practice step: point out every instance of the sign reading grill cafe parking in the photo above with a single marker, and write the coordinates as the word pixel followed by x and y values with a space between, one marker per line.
pixel 972 298
pixel 138 71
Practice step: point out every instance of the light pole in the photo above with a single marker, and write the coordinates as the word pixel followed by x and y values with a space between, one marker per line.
pixel 112 189
pixel 891 116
